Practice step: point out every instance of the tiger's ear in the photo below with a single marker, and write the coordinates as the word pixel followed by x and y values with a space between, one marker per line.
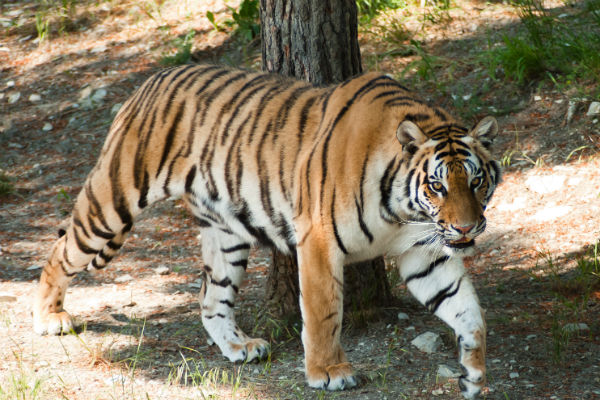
pixel 486 130
pixel 409 132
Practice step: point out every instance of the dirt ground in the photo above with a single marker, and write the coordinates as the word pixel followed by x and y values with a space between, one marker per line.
pixel 143 337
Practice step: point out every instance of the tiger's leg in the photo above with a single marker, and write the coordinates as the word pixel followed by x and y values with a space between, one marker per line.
pixel 443 287
pixel 321 303
pixel 225 259
pixel 93 236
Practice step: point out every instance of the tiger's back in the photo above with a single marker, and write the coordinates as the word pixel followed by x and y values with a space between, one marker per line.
pixel 334 175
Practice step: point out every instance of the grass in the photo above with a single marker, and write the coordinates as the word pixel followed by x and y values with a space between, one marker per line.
pixel 559 48
pixel 7 186
pixel 572 291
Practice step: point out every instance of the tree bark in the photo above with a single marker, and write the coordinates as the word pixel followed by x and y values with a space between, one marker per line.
pixel 317 41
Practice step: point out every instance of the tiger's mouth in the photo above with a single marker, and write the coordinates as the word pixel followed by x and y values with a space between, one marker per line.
pixel 462 243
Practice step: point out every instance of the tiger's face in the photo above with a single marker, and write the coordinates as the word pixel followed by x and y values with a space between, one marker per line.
pixel 453 179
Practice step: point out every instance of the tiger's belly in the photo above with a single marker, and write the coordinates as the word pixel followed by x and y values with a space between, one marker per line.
pixel 256 216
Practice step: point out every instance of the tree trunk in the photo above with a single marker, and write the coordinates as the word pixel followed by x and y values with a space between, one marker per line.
pixel 317 41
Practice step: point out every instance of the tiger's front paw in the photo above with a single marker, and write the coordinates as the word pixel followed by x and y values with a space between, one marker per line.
pixel 470 389
pixel 53 323
pixel 334 377
pixel 247 350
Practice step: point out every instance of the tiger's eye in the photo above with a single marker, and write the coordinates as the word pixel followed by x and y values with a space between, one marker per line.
pixel 475 182
pixel 437 186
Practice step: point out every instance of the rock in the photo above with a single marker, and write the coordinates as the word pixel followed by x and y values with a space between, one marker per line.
pixel 594 109
pixel 162 270
pixel 445 372
pixel 6 297
pixel 402 316
pixel 576 327
pixel 47 127
pixel 85 93
pixel 437 392
pixel 10 83
pixel 34 267
pixel 571 111
pixel 537 98
pixel 99 95
pixel 98 49
pixel 115 108
pixel 14 97
pixel 34 98
pixel 513 375
pixel 124 278
pixel 427 342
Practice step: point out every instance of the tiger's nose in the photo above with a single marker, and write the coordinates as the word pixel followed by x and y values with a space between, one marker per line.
pixel 464 229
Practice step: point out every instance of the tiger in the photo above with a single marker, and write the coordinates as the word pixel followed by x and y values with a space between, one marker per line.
pixel 332 175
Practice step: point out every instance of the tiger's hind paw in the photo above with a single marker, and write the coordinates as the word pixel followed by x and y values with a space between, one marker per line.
pixel 334 377
pixel 54 323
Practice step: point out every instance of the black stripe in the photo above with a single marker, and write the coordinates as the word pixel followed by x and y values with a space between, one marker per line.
pixel 170 137
pixel 223 283
pixel 408 181
pixel 362 91
pixel 189 179
pixel 227 303
pixel 241 246
pixel 385 187
pixel 104 256
pixel 361 221
pixel 113 246
pixel 143 201
pixel 429 269
pixel 97 231
pixel 174 87
pixel 82 246
pixel 240 263
pixel 95 208
pixel 78 223
pixel 434 303
pixel 335 229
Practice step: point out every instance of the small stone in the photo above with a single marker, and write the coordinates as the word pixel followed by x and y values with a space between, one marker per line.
pixel 513 375
pixel 162 270
pixel 446 372
pixel 10 83
pixel 85 93
pixel 576 327
pixel 98 49
pixel 402 316
pixel 571 111
pixel 437 392
pixel 537 98
pixel 6 297
pixel 99 95
pixel 33 267
pixel 115 109
pixel 594 109
pixel 14 97
pixel 210 341
pixel 427 342
pixel 35 98
pixel 196 284
pixel 47 127
pixel 124 278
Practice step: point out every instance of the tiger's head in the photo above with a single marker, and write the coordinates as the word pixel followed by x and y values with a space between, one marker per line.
pixel 450 180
